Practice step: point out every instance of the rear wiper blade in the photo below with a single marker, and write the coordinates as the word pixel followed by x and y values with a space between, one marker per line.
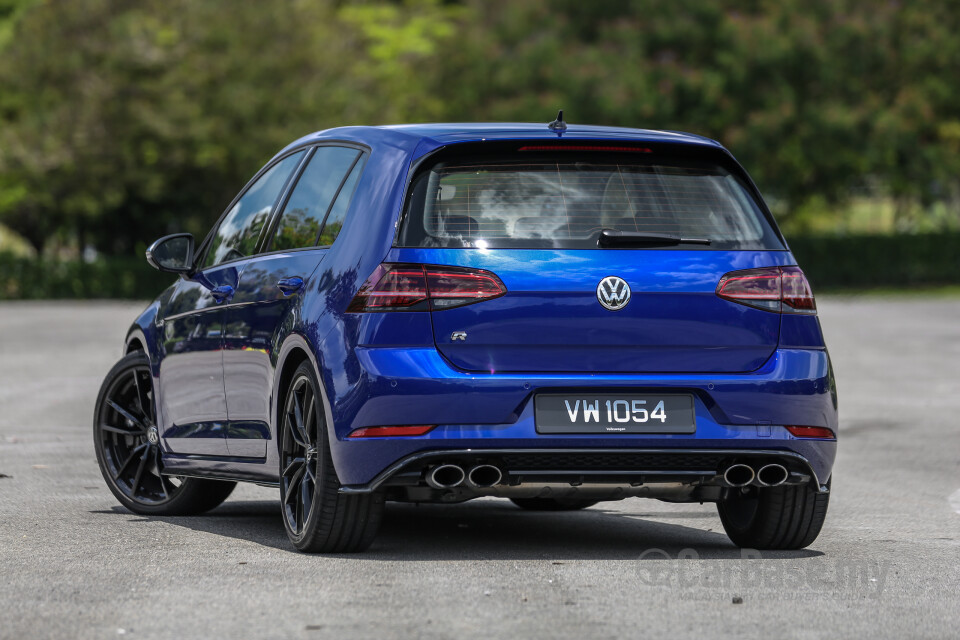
pixel 615 238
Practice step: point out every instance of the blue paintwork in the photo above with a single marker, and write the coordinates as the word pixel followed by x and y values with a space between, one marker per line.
pixel 260 307
pixel 217 365
pixel 550 319
pixel 189 346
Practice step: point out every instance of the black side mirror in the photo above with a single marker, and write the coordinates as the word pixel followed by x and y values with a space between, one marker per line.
pixel 172 253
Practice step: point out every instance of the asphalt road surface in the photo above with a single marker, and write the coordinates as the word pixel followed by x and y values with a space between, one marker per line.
pixel 73 564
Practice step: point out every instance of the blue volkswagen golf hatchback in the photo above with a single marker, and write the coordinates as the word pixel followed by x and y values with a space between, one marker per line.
pixel 557 315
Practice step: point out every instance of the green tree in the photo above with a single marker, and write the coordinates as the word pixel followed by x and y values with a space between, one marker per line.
pixel 122 121
pixel 813 96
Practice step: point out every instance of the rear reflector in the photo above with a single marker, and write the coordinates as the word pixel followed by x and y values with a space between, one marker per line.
pixel 811 432
pixel 783 289
pixel 386 432
pixel 416 287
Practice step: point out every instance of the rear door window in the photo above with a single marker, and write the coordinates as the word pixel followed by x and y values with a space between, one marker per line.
pixel 338 213
pixel 562 201
pixel 315 198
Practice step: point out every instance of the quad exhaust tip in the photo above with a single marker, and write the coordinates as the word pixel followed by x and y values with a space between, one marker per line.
pixel 772 475
pixel 483 476
pixel 739 475
pixel 446 476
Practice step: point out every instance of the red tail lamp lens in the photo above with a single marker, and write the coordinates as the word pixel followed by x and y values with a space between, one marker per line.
pixel 450 288
pixel 415 287
pixel 387 432
pixel 811 432
pixel 755 287
pixel 783 289
pixel 796 290
pixel 392 287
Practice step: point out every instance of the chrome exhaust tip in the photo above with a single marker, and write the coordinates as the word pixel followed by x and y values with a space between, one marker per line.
pixel 483 476
pixel 445 476
pixel 739 475
pixel 772 475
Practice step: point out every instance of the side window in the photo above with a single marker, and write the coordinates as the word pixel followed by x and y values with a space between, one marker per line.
pixel 334 222
pixel 240 229
pixel 310 201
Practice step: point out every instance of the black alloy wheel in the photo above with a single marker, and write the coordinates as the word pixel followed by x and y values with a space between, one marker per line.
pixel 317 516
pixel 128 447
pixel 129 441
pixel 299 460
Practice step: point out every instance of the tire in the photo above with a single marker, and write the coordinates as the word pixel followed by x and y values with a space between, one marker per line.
pixel 127 444
pixel 552 504
pixel 317 517
pixel 784 517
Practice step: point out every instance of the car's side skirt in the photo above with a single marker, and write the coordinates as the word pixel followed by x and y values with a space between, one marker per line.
pixel 220 468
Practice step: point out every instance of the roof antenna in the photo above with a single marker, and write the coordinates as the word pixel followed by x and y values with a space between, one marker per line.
pixel 558 124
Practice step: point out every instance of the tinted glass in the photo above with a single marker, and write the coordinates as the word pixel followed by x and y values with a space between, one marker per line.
pixel 339 211
pixel 308 204
pixel 568 202
pixel 239 231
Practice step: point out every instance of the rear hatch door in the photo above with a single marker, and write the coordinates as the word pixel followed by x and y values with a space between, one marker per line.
pixel 541 218
pixel 552 320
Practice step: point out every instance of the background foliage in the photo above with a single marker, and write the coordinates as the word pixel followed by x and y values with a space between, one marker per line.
pixel 121 121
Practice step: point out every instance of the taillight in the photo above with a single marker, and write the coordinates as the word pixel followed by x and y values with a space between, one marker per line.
pixel 416 287
pixel 783 289
pixel 796 291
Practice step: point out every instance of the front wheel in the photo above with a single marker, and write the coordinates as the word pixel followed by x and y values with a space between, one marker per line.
pixel 784 517
pixel 317 517
pixel 127 444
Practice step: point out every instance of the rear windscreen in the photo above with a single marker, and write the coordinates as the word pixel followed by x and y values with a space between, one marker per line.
pixel 559 201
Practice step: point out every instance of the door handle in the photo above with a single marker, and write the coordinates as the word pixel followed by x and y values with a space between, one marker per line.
pixel 221 293
pixel 289 286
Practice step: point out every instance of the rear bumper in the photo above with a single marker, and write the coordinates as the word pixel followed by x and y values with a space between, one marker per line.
pixel 583 467
pixel 494 412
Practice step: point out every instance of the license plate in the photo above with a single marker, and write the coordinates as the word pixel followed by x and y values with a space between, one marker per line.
pixel 613 413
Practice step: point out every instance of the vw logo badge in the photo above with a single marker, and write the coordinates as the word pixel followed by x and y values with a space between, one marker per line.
pixel 613 293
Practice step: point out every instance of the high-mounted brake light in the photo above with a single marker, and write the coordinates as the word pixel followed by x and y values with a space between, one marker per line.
pixel 585 147
pixel 783 289
pixel 810 432
pixel 387 432
pixel 417 287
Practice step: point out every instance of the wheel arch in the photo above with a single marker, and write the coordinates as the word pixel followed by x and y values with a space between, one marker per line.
pixel 135 341
pixel 295 351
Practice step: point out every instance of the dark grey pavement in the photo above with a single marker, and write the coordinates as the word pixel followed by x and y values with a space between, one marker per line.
pixel 73 564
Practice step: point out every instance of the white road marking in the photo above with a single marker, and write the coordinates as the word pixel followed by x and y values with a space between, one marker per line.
pixel 954 500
